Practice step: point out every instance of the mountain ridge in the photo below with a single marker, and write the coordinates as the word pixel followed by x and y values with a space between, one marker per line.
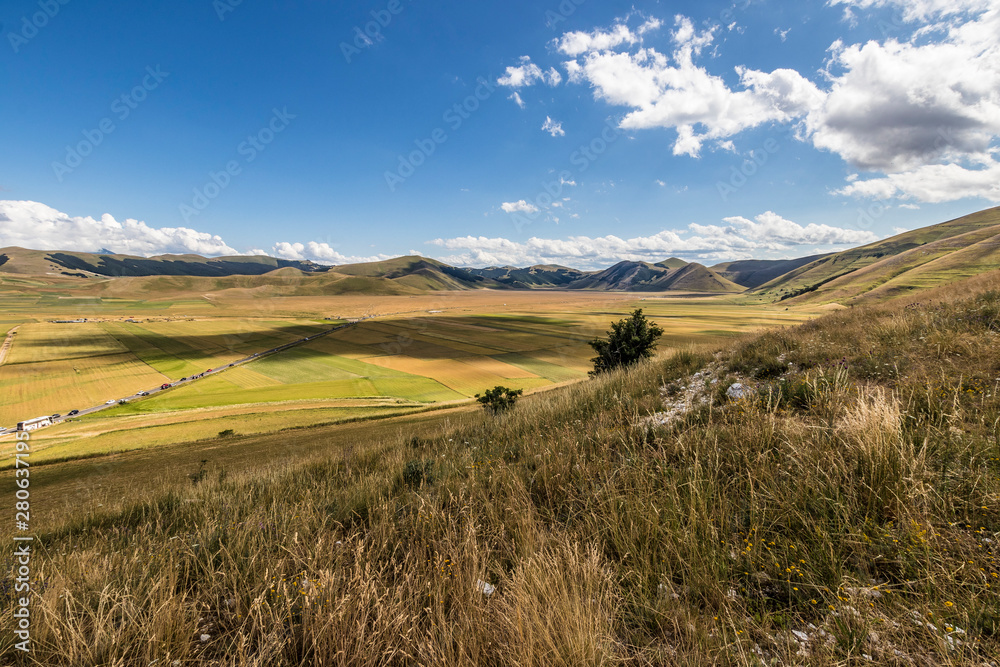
pixel 912 260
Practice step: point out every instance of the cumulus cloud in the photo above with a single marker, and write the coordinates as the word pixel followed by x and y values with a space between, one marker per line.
pixel 738 238
pixel 931 184
pixel 33 225
pixel 527 74
pixel 771 231
pixel 519 206
pixel 579 42
pixel 672 91
pixel 919 112
pixel 916 10
pixel 552 127
pixel 321 253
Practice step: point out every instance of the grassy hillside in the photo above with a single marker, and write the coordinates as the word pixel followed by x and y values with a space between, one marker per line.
pixel 672 263
pixel 85 264
pixel 642 276
pixel 926 257
pixel 846 510
pixel 532 277
pixel 753 273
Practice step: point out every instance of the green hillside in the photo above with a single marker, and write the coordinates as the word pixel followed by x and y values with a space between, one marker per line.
pixel 751 273
pixel 642 276
pixel 926 257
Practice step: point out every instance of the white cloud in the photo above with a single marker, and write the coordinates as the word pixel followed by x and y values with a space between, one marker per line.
pixel 782 34
pixel 33 225
pixel 527 74
pixel 920 112
pixel 321 253
pixel 931 184
pixel 579 42
pixel 771 231
pixel 519 206
pixel 898 106
pixel 738 238
pixel 673 92
pixel 516 96
pixel 917 10
pixel 552 127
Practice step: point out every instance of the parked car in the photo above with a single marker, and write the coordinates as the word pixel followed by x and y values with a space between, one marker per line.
pixel 72 412
pixel 122 401
pixel 165 385
pixel 182 379
pixel 56 416
pixel 144 393
pixel 109 402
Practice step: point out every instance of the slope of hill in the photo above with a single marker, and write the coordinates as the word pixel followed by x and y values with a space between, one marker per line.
pixel 532 277
pixel 836 514
pixel 922 258
pixel 419 273
pixel 645 277
pixel 22 260
pixel 672 263
pixel 751 273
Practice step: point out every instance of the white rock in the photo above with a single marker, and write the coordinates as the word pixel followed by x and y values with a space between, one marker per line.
pixel 801 636
pixel 737 391
pixel 484 588
pixel 205 638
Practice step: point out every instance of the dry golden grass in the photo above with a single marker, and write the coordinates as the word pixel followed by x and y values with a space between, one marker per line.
pixel 846 512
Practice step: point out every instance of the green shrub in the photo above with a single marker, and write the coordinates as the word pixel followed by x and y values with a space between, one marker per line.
pixel 499 398
pixel 628 341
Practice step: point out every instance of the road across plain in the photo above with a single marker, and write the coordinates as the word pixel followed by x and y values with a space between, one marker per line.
pixel 192 378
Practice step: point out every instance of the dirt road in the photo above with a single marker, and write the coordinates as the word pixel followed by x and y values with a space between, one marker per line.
pixel 7 344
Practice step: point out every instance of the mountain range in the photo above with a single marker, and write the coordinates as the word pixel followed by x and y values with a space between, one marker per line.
pixel 909 261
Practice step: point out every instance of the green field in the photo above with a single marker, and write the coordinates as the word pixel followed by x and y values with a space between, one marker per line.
pixel 423 352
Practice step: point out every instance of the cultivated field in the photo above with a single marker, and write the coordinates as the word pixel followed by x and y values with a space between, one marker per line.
pixel 415 353
pixel 845 511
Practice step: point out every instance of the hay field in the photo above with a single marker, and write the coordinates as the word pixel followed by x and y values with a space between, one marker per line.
pixel 417 351
pixel 54 368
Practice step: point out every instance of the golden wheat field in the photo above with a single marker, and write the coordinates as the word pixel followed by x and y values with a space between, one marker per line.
pixel 413 352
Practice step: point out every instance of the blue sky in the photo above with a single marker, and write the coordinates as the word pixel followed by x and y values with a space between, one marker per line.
pixel 579 132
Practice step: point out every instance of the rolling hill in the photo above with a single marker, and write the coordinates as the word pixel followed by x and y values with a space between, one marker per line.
pixel 914 260
pixel 645 277
pixel 86 264
pixel 532 277
pixel 753 273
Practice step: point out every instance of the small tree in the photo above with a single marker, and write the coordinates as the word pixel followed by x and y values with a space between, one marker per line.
pixel 499 399
pixel 628 341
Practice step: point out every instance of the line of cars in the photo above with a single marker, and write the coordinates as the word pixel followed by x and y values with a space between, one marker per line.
pixel 167 385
